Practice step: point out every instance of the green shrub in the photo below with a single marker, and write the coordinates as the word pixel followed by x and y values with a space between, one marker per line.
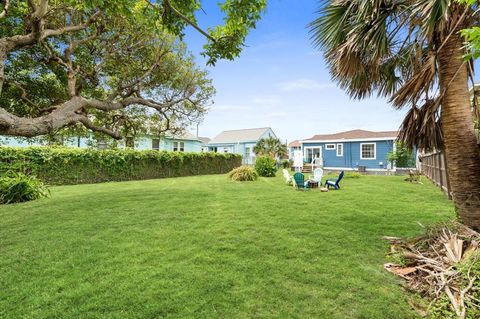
pixel 59 166
pixel 265 166
pixel 243 173
pixel 18 187
pixel 286 163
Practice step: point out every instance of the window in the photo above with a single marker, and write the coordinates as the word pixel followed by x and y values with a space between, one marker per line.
pixel 368 150
pixel 102 145
pixel 129 142
pixel 155 144
pixel 330 146
pixel 339 149
pixel 178 146
pixel 225 149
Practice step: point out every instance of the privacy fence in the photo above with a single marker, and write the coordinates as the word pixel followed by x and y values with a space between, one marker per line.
pixel 434 167
pixel 59 166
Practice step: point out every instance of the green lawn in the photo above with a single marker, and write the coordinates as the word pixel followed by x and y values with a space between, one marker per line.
pixel 205 247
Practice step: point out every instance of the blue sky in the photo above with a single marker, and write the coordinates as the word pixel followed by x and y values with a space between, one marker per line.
pixel 282 82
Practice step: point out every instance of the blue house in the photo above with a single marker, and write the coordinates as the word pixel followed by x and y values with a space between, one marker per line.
pixel 350 150
pixel 240 142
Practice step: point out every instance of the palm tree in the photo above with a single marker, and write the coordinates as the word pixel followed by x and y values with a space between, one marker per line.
pixel 271 147
pixel 411 51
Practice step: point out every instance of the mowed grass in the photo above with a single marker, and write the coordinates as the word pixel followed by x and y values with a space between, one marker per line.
pixel 206 247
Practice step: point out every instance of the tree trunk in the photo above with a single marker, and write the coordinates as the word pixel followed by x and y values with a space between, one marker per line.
pixel 460 143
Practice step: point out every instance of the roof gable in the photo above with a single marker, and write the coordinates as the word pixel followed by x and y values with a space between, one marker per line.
pixel 240 136
pixel 295 143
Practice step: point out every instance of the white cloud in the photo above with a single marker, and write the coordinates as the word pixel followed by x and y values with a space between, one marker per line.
pixel 304 84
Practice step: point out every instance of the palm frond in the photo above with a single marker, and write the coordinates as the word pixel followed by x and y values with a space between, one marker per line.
pixel 422 127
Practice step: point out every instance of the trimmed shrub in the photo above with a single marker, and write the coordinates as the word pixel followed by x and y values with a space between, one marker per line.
pixel 243 173
pixel 285 163
pixel 60 166
pixel 265 166
pixel 18 187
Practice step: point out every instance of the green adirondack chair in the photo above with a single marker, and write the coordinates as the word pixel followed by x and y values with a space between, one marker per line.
pixel 299 181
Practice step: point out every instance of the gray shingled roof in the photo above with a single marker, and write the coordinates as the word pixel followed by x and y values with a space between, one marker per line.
pixel 354 134
pixel 236 136
pixel 204 140
pixel 183 136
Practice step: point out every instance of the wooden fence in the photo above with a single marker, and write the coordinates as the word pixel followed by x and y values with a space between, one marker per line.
pixel 434 167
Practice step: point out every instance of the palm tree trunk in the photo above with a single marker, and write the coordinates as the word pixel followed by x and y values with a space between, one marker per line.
pixel 460 143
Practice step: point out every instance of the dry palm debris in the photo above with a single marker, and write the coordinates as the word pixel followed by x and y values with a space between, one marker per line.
pixel 439 264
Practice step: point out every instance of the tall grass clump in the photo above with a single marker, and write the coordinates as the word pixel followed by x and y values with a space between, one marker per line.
pixel 17 187
pixel 243 173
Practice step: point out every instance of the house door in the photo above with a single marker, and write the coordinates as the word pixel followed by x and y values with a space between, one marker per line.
pixel 311 153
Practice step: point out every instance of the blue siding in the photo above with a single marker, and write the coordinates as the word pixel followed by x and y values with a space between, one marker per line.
pixel 351 154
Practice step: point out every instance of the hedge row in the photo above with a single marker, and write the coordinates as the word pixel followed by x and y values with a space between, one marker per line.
pixel 59 166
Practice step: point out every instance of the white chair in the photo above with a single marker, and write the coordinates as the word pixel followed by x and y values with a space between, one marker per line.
pixel 286 175
pixel 317 176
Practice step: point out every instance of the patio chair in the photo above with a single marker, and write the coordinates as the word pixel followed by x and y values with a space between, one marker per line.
pixel 287 176
pixel 334 183
pixel 299 182
pixel 317 176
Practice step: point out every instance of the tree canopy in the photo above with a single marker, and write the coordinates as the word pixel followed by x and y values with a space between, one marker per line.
pixel 271 147
pixel 109 64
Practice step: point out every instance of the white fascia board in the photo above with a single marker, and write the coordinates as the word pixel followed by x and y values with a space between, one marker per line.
pixel 351 140
pixel 372 139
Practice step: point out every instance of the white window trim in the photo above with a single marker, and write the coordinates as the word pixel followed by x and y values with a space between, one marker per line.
pixel 374 151
pixel 330 148
pixel 340 154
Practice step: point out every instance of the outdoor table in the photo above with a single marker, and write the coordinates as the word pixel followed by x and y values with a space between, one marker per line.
pixel 312 184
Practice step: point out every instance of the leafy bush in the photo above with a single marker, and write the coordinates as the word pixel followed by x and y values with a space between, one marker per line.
pixel 58 166
pixel 402 156
pixel 286 163
pixel 265 166
pixel 243 173
pixel 18 187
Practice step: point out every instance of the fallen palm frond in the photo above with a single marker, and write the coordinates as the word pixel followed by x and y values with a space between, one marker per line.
pixel 438 266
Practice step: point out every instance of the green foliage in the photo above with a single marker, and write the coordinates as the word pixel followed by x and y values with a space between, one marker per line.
pixel 75 166
pixel 402 156
pixel 286 163
pixel 17 187
pixel 243 173
pixel 270 146
pixel 131 52
pixel 265 166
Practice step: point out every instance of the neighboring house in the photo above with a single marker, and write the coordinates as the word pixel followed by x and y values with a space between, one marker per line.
pixel 240 142
pixel 185 142
pixel 292 147
pixel 350 150
pixel 182 143
pixel 204 141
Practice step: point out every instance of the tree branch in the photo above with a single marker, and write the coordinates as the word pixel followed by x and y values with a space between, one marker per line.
pixel 6 6
pixel 184 18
